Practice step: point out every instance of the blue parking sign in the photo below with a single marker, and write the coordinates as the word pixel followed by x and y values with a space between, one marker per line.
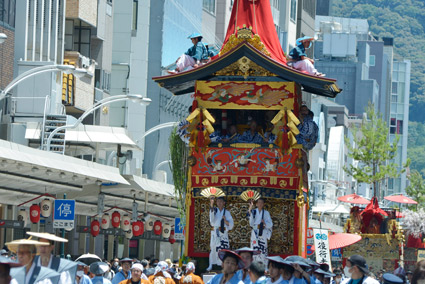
pixel 64 210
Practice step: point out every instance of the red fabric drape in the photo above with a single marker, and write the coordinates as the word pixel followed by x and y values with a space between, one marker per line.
pixel 262 24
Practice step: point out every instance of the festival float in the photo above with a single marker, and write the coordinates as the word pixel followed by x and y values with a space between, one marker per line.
pixel 248 80
pixel 382 243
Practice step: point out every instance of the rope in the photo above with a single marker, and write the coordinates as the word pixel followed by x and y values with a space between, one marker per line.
pixel 236 18
pixel 255 17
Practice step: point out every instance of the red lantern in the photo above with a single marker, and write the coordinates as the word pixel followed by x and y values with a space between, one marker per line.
pixel 157 227
pixel 116 216
pixel 172 240
pixel 95 228
pixel 35 213
pixel 138 228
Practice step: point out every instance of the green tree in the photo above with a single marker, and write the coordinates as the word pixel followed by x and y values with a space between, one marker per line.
pixel 373 151
pixel 416 188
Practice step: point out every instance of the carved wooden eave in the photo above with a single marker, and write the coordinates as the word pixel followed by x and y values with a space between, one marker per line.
pixel 246 63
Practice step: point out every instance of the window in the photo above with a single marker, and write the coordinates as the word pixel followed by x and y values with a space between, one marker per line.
pixel 7 12
pixel 372 60
pixel 209 6
pixel 394 88
pixel 69 35
pixel 393 123
pixel 82 37
pixel 399 126
pixel 135 14
pixel 275 4
pixel 293 14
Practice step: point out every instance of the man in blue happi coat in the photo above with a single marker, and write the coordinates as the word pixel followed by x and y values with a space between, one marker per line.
pixel 309 131
pixel 125 272
pixel 193 57
pixel 247 255
pixel 231 262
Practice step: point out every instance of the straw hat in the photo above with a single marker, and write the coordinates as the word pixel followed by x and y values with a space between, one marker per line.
pixel 47 236
pixel 13 245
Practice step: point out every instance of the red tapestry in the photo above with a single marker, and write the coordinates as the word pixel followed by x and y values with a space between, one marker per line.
pixel 256 167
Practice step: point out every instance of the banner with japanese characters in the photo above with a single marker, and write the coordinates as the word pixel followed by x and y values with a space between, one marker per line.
pixel 321 244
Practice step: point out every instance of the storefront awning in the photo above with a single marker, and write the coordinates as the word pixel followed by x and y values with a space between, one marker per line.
pixel 104 136
pixel 332 209
pixel 25 169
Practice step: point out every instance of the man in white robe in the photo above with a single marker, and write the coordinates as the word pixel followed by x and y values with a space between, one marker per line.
pixel 222 222
pixel 262 225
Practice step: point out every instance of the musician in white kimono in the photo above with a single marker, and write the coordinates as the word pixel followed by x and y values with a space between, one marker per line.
pixel 262 225
pixel 222 222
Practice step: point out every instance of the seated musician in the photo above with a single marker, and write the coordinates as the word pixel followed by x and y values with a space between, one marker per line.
pixel 232 136
pixel 252 135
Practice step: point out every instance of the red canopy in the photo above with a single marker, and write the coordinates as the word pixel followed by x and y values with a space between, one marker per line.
pixel 258 15
pixel 372 210
pixel 400 199
pixel 342 240
pixel 354 199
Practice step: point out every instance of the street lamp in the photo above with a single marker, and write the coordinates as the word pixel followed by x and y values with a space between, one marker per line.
pixel 38 70
pixel 113 99
pixel 3 37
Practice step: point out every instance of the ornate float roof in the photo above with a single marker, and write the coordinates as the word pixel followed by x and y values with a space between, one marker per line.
pixel 246 62
pixel 251 52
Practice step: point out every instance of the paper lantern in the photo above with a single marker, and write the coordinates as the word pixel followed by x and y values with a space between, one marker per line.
pixel 125 223
pixel 172 240
pixel 23 216
pixel 138 228
pixel 166 230
pixel 94 228
pixel 157 227
pixel 35 213
pixel 129 234
pixel 149 224
pixel 116 218
pixel 106 221
pixel 46 208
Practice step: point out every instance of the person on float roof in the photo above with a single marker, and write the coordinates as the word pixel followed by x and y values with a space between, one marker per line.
pixel 193 57
pixel 299 59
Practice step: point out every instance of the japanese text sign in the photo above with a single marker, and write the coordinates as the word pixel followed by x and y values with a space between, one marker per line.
pixel 64 214
pixel 321 244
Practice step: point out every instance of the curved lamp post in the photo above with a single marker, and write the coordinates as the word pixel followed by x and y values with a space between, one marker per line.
pixel 38 70
pixel 113 99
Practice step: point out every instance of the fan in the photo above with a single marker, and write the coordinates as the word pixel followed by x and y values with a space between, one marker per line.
pixel 212 192
pixel 249 194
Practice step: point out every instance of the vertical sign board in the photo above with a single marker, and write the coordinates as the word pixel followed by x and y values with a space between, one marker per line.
pixel 64 214
pixel 321 244
pixel 178 229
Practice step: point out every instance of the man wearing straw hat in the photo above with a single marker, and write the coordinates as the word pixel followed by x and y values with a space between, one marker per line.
pixel 47 259
pixel 30 273
pixel 231 262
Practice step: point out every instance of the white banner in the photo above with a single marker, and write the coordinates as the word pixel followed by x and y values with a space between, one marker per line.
pixel 321 245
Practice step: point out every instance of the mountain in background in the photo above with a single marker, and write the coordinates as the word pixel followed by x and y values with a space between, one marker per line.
pixel 403 20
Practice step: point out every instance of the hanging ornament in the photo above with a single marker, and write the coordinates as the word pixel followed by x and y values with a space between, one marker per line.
pixel 106 221
pixel 149 224
pixel 116 218
pixel 46 208
pixel 94 228
pixel 129 234
pixel 138 228
pixel 166 230
pixel 35 213
pixel 172 239
pixel 125 223
pixel 23 216
pixel 157 227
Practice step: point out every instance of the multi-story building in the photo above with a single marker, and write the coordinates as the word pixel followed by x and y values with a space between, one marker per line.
pixel 399 121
